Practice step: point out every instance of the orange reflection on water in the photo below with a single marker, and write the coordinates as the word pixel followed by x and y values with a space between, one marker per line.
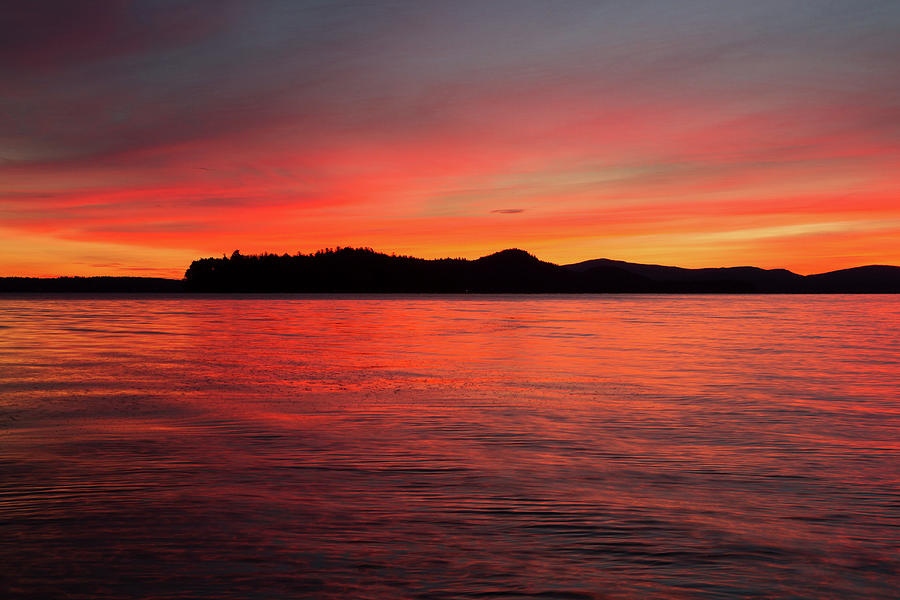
pixel 386 447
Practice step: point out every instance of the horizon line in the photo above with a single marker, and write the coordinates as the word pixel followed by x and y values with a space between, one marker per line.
pixel 403 255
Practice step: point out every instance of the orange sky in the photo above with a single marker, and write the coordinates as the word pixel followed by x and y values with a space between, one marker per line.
pixel 135 138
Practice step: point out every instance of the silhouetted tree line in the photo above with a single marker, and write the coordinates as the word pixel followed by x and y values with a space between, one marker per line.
pixel 364 270
pixel 510 271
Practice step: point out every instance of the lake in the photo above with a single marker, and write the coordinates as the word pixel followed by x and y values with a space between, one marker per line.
pixel 438 447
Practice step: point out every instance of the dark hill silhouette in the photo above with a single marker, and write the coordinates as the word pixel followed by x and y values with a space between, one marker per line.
pixel 725 279
pixel 871 279
pixel 515 270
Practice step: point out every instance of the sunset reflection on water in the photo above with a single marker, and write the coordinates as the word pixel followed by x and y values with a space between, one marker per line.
pixel 450 447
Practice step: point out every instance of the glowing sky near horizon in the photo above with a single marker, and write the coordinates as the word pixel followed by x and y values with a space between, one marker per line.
pixel 137 136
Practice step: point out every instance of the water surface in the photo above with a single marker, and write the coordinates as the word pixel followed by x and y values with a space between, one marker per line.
pixel 571 447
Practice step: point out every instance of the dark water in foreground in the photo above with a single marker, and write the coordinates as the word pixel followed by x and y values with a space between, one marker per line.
pixel 450 447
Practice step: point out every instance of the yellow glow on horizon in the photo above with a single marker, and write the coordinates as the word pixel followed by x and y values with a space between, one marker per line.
pixel 34 255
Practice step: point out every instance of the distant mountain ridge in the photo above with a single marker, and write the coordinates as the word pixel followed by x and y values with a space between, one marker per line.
pixel 362 270
pixel 874 279
pixel 659 273
pixel 867 279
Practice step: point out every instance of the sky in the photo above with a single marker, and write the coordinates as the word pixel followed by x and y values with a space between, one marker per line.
pixel 138 136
